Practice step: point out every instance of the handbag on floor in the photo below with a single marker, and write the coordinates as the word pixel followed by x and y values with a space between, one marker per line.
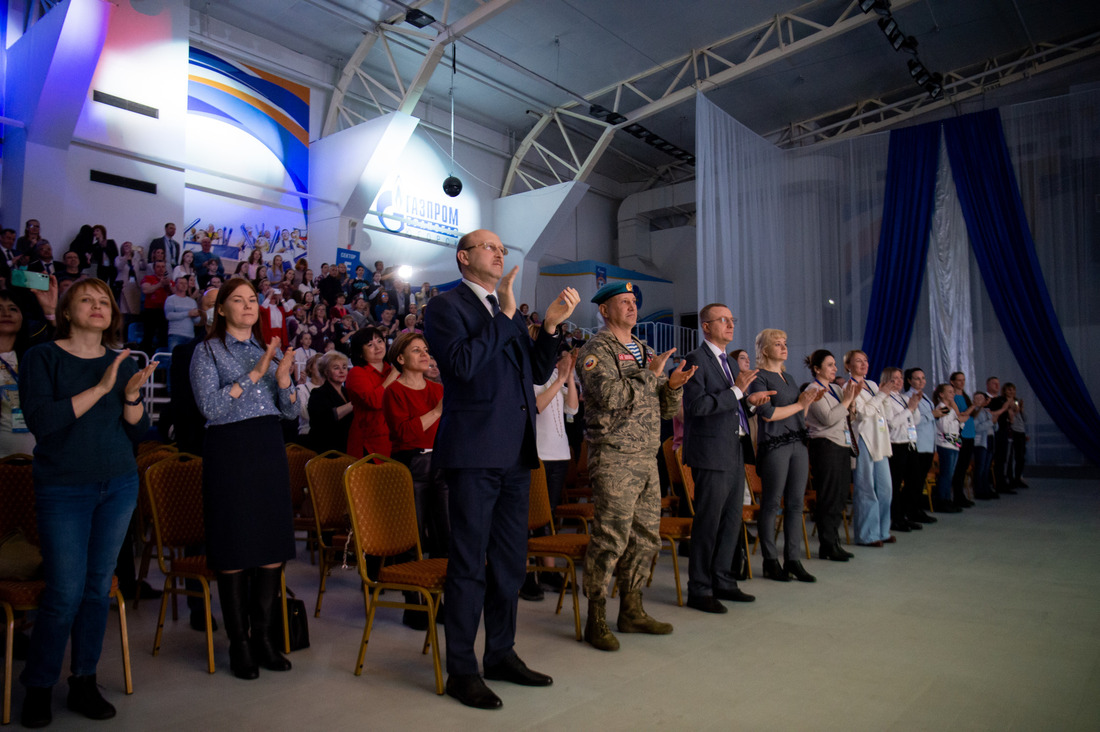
pixel 297 620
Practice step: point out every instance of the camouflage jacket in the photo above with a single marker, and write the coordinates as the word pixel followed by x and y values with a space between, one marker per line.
pixel 624 402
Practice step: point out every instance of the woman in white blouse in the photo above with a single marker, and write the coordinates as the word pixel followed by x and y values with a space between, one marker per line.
pixel 948 440
pixel 872 489
pixel 902 416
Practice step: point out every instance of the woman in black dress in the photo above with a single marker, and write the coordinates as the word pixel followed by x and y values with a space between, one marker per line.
pixel 243 388
pixel 329 407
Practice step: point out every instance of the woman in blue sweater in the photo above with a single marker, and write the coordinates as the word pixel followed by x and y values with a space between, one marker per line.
pixel 82 402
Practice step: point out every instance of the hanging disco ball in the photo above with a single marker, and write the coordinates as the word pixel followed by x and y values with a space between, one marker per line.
pixel 452 186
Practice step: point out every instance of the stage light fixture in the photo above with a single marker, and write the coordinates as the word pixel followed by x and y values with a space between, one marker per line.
pixel 934 86
pixel 882 7
pixel 909 45
pixel 890 29
pixel 636 130
pixel 418 18
pixel 918 72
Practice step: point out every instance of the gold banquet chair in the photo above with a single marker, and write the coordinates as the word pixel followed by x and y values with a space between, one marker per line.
pixel 383 519
pixel 17 512
pixel 325 473
pixel 174 485
pixel 569 547
pixel 153 454
pixel 296 459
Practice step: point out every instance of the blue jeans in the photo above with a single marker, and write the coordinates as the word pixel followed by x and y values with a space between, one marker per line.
pixel 983 459
pixel 872 493
pixel 178 340
pixel 80 528
pixel 948 459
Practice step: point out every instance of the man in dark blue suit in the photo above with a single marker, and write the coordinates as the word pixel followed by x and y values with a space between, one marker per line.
pixel 715 416
pixel 486 444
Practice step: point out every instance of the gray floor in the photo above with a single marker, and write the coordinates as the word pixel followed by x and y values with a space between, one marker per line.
pixel 985 621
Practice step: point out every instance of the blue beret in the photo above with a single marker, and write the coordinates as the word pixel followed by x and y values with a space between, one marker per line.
pixel 611 289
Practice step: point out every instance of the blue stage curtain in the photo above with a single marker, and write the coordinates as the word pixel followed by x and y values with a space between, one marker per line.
pixel 1005 252
pixel 903 244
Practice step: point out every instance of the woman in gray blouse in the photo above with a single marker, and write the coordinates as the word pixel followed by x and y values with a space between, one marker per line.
pixel 781 457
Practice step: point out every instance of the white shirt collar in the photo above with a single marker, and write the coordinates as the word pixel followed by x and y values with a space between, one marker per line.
pixel 481 293
pixel 715 350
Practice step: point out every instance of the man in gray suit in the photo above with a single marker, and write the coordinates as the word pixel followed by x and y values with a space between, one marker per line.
pixel 171 247
pixel 715 415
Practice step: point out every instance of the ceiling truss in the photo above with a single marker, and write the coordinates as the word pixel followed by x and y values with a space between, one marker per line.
pixel 670 84
pixel 872 115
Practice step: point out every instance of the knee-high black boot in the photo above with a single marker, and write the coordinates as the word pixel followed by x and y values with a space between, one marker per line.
pixel 233 592
pixel 265 586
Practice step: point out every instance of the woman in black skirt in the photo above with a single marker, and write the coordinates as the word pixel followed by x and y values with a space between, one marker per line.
pixel 243 389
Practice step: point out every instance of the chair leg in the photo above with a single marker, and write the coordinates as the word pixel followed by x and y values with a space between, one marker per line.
pixel 286 612
pixel 572 579
pixel 143 570
pixel 125 636
pixel 9 617
pixel 745 539
pixel 209 624
pixel 367 598
pixel 805 539
pixel 676 573
pixel 169 584
pixel 323 562
pixel 433 637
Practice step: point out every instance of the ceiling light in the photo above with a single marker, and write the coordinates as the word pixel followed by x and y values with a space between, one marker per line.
pixel 418 18
pixel 934 86
pixel 893 34
pixel 918 72
pixel 909 45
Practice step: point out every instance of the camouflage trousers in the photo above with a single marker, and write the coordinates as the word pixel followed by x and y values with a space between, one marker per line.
pixel 627 494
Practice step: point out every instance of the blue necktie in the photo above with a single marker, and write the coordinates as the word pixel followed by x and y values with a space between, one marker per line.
pixel 493 303
pixel 740 409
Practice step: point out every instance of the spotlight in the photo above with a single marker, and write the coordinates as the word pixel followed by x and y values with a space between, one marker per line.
pixel 636 130
pixel 934 86
pixel 909 45
pixel 882 7
pixel 452 186
pixel 918 72
pixel 405 272
pixel 893 34
pixel 418 18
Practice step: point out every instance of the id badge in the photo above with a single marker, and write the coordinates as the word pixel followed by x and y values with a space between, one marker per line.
pixel 18 421
pixel 847 438
pixel 912 432
pixel 881 424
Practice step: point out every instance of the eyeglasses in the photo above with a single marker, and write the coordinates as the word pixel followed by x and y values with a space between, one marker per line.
pixel 723 320
pixel 501 250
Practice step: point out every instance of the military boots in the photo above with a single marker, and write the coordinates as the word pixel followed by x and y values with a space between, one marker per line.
pixel 633 617
pixel 596 631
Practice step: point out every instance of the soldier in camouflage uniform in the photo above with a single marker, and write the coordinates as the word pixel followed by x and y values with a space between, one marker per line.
pixel 626 395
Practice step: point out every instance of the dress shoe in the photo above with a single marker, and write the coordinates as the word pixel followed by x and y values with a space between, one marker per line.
pixel 829 551
pixel 415 619
pixel 890 540
pixel 914 526
pixel 84 698
pixel 964 503
pixel 842 551
pixel 198 622
pixel 472 691
pixel 774 571
pixel 552 581
pixel 793 567
pixel 37 710
pixel 900 526
pixel 945 507
pixel 515 671
pixel 922 518
pixel 707 604
pixel 734 595
pixel 530 591
pixel 875 544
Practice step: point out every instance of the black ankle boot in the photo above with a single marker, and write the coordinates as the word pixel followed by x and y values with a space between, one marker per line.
pixel 84 698
pixel 37 707
pixel 265 587
pixel 233 593
pixel 774 571
pixel 793 567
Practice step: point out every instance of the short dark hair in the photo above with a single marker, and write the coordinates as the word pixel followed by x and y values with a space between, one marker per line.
pixel 360 338
pixel 909 375
pixel 815 360
pixel 704 314
pixel 217 330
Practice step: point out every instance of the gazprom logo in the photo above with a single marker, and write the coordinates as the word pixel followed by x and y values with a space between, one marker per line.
pixel 417 215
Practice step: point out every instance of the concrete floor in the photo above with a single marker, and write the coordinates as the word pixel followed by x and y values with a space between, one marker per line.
pixel 988 620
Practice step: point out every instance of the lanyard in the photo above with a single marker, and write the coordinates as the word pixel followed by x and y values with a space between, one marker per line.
pixel 898 399
pixel 828 388
pixel 11 370
pixel 867 387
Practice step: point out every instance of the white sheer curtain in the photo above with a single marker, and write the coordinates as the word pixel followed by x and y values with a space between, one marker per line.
pixel 947 278
pixel 780 234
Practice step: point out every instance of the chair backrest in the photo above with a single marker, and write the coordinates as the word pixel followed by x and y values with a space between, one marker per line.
pixel 382 507
pixel 325 474
pixel 755 486
pixel 174 486
pixel 296 459
pixel 147 445
pixel 17 497
pixel 672 464
pixel 539 512
pixel 685 477
pixel 144 461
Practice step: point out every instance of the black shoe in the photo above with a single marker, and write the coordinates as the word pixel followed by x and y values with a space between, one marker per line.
pixel 740 567
pixel 984 496
pixel 707 604
pixel 552 581
pixel 833 553
pixel 415 619
pixel 265 589
pixel 945 507
pixel 84 698
pixel 515 671
pixel 1008 491
pixel 734 595
pixel 530 590
pixel 37 707
pixel 147 592
pixel 472 691
pixel 899 526
pixel 794 568
pixel 198 621
pixel 922 518
pixel 964 503
pixel 773 571
pixel 838 549
pixel 914 526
